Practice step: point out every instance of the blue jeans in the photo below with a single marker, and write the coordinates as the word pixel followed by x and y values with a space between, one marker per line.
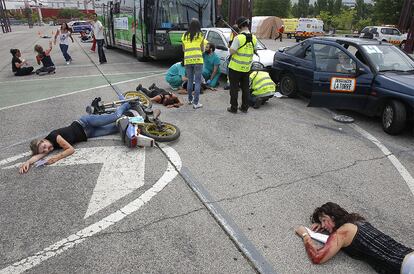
pixel 64 48
pixel 194 74
pixel 100 125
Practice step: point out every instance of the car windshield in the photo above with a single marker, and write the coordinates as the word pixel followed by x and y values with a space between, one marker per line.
pixel 388 58
pixel 176 14
pixel 260 45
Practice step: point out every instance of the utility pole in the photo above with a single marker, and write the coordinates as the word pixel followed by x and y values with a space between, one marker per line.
pixel 406 23
pixel 4 18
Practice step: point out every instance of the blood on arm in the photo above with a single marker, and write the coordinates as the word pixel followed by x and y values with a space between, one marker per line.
pixel 321 255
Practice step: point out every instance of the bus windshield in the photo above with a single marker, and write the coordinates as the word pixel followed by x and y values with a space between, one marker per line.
pixel 176 14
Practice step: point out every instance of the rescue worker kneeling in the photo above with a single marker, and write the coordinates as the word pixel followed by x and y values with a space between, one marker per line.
pixel 262 88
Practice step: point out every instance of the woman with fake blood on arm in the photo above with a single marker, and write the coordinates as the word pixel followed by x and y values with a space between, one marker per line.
pixel 357 238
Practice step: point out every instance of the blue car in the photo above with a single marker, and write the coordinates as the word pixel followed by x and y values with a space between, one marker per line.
pixel 368 76
pixel 81 26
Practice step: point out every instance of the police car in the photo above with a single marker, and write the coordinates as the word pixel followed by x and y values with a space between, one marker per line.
pixel 221 37
pixel 386 34
pixel 367 76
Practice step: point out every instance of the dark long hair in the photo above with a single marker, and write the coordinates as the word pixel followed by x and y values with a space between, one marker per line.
pixel 339 215
pixel 193 30
pixel 14 52
pixel 64 26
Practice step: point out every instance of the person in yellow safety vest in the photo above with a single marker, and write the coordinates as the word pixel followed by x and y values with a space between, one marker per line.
pixel 241 50
pixel 193 46
pixel 262 88
pixel 235 30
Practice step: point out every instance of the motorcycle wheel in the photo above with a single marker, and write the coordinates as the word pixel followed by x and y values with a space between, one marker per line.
pixel 168 133
pixel 144 99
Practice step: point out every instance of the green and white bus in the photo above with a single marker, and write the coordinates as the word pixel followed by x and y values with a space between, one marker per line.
pixel 153 28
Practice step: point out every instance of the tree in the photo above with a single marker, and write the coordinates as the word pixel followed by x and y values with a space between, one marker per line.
pixel 387 11
pixel 303 8
pixel 280 8
pixel 321 5
pixel 70 13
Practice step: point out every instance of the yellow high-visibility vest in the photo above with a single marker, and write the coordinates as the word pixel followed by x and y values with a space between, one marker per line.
pixel 261 84
pixel 192 49
pixel 243 58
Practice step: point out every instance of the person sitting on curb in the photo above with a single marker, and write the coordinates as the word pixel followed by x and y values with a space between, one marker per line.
pixel 43 56
pixel 357 238
pixel 176 77
pixel 161 96
pixel 262 88
pixel 88 126
pixel 211 68
pixel 20 67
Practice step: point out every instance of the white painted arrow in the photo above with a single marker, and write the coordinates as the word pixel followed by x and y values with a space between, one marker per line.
pixel 122 172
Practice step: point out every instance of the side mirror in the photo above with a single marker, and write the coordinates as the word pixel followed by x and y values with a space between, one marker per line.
pixel 361 71
pixel 222 48
pixel 282 49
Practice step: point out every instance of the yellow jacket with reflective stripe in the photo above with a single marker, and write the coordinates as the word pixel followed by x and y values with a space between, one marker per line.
pixel 261 84
pixel 192 49
pixel 243 58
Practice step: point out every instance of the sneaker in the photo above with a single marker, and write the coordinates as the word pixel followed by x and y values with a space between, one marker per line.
pixel 258 103
pixel 244 110
pixel 139 87
pixel 67 62
pixel 152 86
pixel 232 110
pixel 227 87
pixel 190 102
pixel 199 105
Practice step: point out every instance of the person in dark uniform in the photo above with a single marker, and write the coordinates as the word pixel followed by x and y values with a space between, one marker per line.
pixel 161 96
pixel 88 126
pixel 19 66
pixel 357 238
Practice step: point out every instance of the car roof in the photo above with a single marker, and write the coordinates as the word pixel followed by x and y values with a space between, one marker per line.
pixel 357 41
pixel 225 30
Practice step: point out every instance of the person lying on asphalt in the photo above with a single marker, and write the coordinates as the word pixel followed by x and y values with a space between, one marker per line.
pixel 357 238
pixel 20 67
pixel 88 126
pixel 161 96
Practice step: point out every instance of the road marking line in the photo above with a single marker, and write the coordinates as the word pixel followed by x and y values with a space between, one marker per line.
pixel 80 76
pixel 80 236
pixel 79 91
pixel 405 174
pixel 14 158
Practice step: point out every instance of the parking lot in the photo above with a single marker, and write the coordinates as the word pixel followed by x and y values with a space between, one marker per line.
pixel 266 170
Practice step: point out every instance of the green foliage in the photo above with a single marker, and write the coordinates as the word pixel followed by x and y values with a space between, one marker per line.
pixel 280 8
pixel 344 20
pixel 70 13
pixel 387 11
pixel 362 23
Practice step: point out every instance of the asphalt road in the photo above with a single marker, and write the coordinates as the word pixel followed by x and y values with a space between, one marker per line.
pixel 267 169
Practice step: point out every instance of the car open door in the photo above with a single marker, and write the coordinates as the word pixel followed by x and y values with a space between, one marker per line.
pixel 222 51
pixel 340 81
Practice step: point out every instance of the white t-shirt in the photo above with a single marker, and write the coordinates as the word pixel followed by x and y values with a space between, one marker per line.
pixel 98 30
pixel 64 38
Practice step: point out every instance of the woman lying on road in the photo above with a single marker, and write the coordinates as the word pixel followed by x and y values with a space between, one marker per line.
pixel 161 96
pixel 88 126
pixel 19 66
pixel 358 238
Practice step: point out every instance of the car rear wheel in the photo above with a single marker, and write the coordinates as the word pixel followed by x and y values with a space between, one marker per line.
pixel 394 116
pixel 288 86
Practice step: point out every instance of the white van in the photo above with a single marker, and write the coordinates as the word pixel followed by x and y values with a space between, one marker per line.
pixel 308 27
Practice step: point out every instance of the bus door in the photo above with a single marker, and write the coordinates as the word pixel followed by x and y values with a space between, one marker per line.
pixel 139 25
